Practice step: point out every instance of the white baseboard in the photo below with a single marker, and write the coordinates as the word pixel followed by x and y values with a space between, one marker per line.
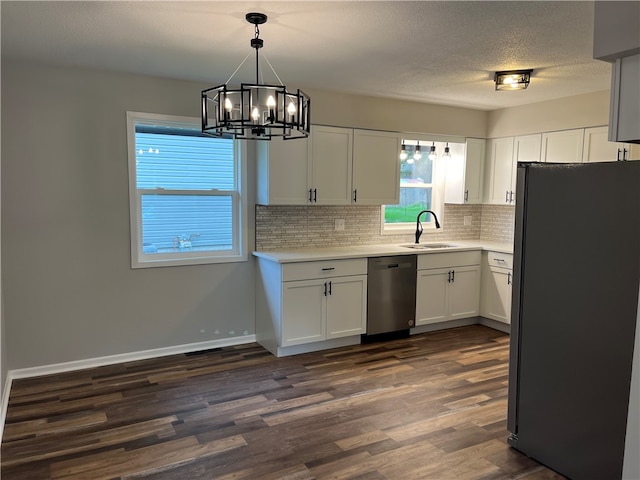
pixel 5 403
pixel 126 357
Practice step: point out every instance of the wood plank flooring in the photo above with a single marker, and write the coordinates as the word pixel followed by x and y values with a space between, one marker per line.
pixel 432 406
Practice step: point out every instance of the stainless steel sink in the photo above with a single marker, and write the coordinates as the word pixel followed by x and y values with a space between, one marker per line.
pixel 426 246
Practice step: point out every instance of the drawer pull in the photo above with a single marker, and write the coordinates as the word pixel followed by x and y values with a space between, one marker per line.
pixel 326 269
pixel 499 260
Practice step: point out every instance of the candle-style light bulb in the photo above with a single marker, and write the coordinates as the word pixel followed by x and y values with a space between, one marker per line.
pixel 228 105
pixel 291 110
pixel 255 114
pixel 271 103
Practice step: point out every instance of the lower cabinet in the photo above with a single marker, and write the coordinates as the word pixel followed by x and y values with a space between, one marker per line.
pixel 447 287
pixel 299 304
pixel 497 277
pixel 321 309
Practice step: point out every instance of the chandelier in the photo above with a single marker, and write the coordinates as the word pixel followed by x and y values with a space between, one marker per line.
pixel 255 111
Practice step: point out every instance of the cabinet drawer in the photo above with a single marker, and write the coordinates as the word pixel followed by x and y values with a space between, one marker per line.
pixel 446 260
pixel 324 268
pixel 497 259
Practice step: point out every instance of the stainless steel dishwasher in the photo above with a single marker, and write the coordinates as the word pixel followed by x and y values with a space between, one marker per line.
pixel 391 294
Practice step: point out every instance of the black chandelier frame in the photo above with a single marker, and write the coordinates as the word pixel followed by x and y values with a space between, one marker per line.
pixel 255 111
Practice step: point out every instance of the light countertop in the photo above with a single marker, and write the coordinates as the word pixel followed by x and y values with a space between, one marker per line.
pixel 359 251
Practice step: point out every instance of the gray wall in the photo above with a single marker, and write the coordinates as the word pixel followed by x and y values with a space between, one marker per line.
pixel 69 291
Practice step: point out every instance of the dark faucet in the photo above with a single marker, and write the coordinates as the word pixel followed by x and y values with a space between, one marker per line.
pixel 419 225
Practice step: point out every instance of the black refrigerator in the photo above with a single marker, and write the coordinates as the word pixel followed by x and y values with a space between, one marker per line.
pixel 574 313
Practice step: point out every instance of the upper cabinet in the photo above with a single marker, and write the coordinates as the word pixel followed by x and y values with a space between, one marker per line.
pixel 624 112
pixel 334 166
pixel 465 173
pixel 616 40
pixel 526 148
pixel 563 147
pixel 376 168
pixel 282 172
pixel 500 172
pixel 598 148
pixel 330 165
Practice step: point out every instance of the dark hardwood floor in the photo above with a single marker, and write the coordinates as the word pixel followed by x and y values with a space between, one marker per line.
pixel 432 406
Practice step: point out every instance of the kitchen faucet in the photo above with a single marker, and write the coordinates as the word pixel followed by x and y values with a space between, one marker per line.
pixel 419 225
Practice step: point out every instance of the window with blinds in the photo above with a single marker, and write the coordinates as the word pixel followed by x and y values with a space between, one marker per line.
pixel 186 202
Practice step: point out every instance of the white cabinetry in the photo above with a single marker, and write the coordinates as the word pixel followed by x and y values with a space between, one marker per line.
pixel 598 148
pixel 282 172
pixel 448 287
pixel 309 306
pixel 624 115
pixel 349 166
pixel 497 276
pixel 376 168
pixel 526 148
pixel 330 165
pixel 563 147
pixel 501 172
pixel 465 174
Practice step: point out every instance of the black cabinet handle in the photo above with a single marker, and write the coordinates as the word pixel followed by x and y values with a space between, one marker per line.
pixel 618 157
pixel 508 278
pixel 449 276
pixel 315 194
pixel 466 196
pixel 506 196
pixel 326 269
pixel 310 195
pixel 325 289
pixel 453 276
pixel 329 288
pixel 355 195
pixel 624 154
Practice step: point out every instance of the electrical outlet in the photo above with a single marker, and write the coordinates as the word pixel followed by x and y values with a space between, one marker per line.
pixel 467 220
pixel 339 223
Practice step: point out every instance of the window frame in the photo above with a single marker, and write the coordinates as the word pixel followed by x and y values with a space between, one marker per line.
pixel 238 196
pixel 437 186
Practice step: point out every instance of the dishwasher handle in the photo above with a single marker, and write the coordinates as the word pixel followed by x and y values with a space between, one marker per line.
pixel 389 266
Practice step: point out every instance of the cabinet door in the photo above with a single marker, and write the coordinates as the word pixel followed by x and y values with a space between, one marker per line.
pixel 331 164
pixel 598 148
pixel 624 114
pixel 526 148
pixel 500 185
pixel 496 301
pixel 346 306
pixel 282 172
pixel 563 147
pixel 431 296
pixel 465 173
pixel 464 292
pixel 303 312
pixel 376 168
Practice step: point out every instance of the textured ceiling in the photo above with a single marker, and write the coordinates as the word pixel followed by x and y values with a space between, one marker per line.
pixel 443 52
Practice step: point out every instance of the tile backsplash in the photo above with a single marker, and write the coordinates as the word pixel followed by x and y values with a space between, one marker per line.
pixel 280 227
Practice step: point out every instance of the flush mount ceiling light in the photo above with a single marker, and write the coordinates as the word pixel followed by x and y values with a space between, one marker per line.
pixel 512 79
pixel 255 111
